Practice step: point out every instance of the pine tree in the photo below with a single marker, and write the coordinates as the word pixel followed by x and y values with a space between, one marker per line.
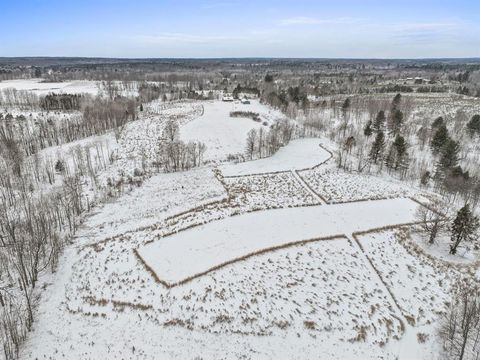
pixel 425 178
pixel 367 131
pixel 396 122
pixel 378 147
pixel 439 140
pixel 397 156
pixel 345 106
pixel 396 102
pixel 437 123
pixel 463 227
pixel 473 125
pixel 379 122
pixel 449 158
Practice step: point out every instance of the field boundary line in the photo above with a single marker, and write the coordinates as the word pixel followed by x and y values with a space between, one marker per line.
pixel 307 187
pixel 170 285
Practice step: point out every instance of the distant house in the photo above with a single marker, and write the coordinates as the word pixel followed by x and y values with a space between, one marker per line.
pixel 227 97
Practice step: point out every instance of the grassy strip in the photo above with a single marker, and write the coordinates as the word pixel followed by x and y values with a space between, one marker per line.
pixel 229 262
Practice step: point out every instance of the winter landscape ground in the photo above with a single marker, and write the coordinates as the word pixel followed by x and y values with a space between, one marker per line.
pixel 287 256
pixel 240 208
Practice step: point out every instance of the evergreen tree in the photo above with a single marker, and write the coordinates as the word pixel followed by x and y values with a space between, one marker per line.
pixel 396 122
pixel 345 106
pixel 425 178
pixel 379 122
pixel 397 155
pixel 439 140
pixel 437 123
pixel 60 166
pixel 367 131
pixel 463 227
pixel 378 147
pixel 473 125
pixel 396 102
pixel 457 180
pixel 449 158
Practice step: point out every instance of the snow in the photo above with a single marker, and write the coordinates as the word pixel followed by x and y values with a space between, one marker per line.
pixel 298 154
pixel 158 197
pixel 339 186
pixel 234 237
pixel 103 303
pixel 290 281
pixel 43 88
pixel 223 134
pixel 413 280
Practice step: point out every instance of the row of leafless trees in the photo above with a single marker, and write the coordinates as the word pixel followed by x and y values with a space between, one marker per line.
pixel 41 198
pixel 33 134
pixel 176 155
pixel 22 99
pixel 32 233
pixel 264 142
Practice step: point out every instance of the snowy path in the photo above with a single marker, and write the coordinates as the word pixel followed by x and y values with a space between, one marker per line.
pixel 307 187
pixel 190 253
pixel 299 154
pixel 375 272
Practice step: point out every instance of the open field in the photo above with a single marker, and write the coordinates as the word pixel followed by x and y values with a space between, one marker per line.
pixel 39 87
pixel 236 237
pixel 297 155
pixel 197 225
pixel 224 135
pixel 239 208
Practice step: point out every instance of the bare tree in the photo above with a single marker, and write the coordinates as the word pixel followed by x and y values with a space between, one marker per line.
pixel 460 326
pixel 432 220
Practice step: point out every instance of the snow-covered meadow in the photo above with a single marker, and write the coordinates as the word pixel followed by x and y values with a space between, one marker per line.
pixel 224 135
pixel 227 240
pixel 237 232
pixel 299 154
pixel 39 87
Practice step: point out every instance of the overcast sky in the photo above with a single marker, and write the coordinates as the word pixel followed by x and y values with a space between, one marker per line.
pixel 231 28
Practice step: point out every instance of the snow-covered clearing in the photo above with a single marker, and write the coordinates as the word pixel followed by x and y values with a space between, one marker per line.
pixel 270 191
pixel 419 288
pixel 311 301
pixel 223 134
pixel 298 154
pixel 42 88
pixel 235 237
pixel 320 299
pixel 160 196
pixel 305 300
pixel 337 186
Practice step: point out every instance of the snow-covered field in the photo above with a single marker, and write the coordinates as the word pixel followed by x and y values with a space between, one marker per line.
pixel 160 196
pixel 297 155
pixel 42 88
pixel 338 186
pixel 235 237
pixel 351 296
pixel 419 288
pixel 223 134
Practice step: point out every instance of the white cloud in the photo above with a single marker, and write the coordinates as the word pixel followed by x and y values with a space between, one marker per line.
pixel 305 20
pixel 441 26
